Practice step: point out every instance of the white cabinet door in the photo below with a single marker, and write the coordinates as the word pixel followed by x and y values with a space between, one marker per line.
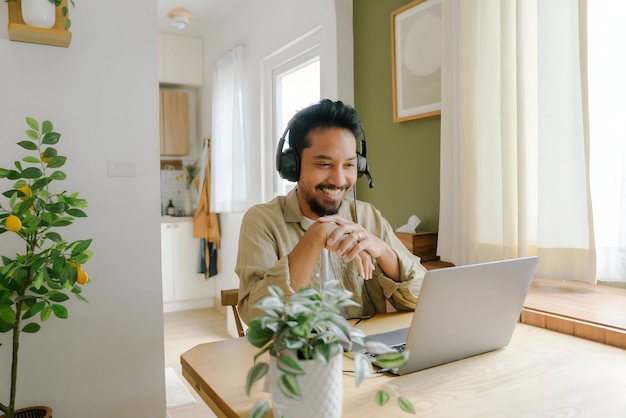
pixel 180 60
pixel 183 286
pixel 189 284
pixel 167 260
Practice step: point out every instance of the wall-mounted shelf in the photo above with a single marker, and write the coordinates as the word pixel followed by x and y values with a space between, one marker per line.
pixel 21 32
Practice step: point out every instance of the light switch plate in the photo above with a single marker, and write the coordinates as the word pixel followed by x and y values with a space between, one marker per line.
pixel 118 168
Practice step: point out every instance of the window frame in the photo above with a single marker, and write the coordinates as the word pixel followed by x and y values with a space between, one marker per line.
pixel 296 54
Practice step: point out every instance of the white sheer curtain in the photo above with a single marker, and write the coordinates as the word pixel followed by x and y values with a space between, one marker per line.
pixel 228 158
pixel 515 135
pixel 607 109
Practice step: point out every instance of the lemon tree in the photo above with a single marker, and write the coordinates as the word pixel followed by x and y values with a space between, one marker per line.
pixel 36 282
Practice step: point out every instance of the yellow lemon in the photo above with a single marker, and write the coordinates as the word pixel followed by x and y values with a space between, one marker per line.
pixel 82 276
pixel 45 159
pixel 13 223
pixel 27 192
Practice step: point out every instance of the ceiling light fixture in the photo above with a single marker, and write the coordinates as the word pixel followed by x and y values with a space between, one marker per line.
pixel 180 17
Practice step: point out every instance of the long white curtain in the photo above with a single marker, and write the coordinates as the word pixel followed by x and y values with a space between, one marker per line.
pixel 515 135
pixel 228 157
pixel 607 109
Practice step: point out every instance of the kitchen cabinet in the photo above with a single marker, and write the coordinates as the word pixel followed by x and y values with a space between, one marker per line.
pixel 174 116
pixel 183 287
pixel 180 60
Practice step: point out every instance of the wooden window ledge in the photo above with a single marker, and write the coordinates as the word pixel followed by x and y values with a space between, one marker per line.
pixel 593 312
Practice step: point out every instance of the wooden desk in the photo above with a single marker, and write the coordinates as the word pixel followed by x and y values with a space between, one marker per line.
pixel 540 373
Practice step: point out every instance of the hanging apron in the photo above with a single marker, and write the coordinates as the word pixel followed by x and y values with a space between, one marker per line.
pixel 206 223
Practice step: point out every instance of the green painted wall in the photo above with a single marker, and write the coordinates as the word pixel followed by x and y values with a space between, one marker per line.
pixel 403 157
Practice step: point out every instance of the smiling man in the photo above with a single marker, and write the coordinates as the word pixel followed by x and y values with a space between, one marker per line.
pixel 317 232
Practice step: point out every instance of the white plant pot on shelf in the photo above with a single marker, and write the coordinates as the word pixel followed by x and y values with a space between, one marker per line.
pixel 39 13
pixel 321 388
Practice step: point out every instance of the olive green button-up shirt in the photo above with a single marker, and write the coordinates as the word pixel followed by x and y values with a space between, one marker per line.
pixel 271 230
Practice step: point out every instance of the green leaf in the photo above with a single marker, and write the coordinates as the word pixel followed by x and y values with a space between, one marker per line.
pixel 257 372
pixel 60 311
pixel 260 409
pixel 258 336
pixel 57 161
pixel 31 328
pixel 58 297
pixel 46 127
pixel 405 405
pixel 34 135
pixel 4 172
pixel 375 347
pixel 30 159
pixel 45 314
pixel 41 183
pixel 382 397
pixel 34 310
pixel 58 175
pixel 80 246
pixel 392 360
pixel 362 368
pixel 288 385
pixel 31 173
pixel 51 138
pixel 77 213
pixel 287 362
pixel 53 236
pixel 32 123
pixel 49 152
pixel 7 315
pixel 29 145
pixel 58 207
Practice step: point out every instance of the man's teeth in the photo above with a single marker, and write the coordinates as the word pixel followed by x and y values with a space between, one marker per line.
pixel 332 192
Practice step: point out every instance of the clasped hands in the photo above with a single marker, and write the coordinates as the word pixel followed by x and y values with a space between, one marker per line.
pixel 352 242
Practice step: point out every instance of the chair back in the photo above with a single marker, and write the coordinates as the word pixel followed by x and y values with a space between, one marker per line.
pixel 230 297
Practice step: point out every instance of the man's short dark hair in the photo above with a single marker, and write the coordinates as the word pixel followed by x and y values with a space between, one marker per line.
pixel 324 114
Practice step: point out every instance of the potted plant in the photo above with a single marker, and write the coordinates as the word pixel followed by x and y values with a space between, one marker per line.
pixel 45 22
pixel 307 333
pixel 35 283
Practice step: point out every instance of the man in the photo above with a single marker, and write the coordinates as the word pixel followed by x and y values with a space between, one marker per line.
pixel 317 232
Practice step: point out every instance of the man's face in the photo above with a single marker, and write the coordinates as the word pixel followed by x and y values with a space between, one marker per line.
pixel 327 171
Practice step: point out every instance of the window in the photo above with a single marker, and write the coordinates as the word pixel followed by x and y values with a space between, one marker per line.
pixel 295 89
pixel 291 81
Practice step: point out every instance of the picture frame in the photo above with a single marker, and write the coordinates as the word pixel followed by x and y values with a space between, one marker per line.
pixel 416 60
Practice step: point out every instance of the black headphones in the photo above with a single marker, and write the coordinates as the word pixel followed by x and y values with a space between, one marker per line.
pixel 288 163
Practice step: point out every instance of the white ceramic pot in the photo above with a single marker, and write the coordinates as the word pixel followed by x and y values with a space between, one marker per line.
pixel 39 13
pixel 321 388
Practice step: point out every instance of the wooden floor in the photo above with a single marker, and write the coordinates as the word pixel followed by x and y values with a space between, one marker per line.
pixel 184 330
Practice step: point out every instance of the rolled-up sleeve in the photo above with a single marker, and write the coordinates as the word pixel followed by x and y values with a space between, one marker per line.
pixel 262 261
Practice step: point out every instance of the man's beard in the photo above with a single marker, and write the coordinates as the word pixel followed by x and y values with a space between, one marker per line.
pixel 330 209
pixel 322 210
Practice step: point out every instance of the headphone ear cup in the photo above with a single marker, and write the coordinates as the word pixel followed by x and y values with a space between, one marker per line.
pixel 361 164
pixel 289 165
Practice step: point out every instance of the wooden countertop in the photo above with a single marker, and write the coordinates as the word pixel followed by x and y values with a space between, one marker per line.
pixel 171 219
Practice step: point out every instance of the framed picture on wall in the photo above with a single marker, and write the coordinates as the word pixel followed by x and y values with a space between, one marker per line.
pixel 416 60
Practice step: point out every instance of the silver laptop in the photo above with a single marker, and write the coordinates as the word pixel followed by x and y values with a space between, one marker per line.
pixel 463 311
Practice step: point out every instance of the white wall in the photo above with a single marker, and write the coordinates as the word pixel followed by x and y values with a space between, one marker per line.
pixel 101 93
pixel 264 27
